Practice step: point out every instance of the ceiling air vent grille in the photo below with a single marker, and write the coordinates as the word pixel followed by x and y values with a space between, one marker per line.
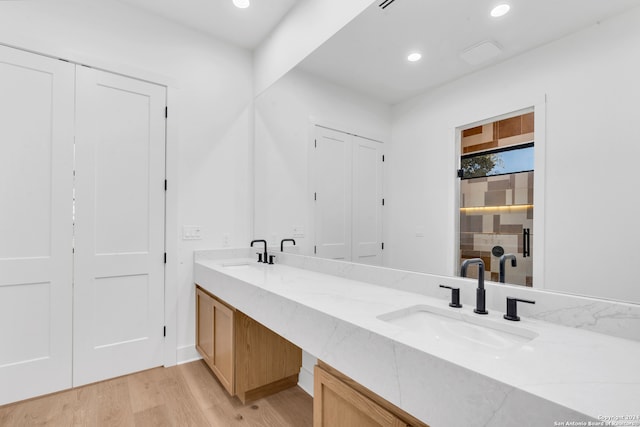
pixel 385 3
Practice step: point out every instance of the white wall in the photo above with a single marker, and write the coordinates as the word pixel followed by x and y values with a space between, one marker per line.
pixel 210 134
pixel 592 145
pixel 309 24
pixel 283 132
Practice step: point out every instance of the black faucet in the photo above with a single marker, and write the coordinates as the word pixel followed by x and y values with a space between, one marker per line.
pixel 512 308
pixel 480 294
pixel 503 258
pixel 286 240
pixel 264 256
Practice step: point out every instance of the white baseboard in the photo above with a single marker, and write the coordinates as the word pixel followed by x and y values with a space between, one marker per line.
pixel 305 379
pixel 187 353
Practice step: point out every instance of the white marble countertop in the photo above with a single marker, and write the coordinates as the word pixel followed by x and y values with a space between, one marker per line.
pixel 564 374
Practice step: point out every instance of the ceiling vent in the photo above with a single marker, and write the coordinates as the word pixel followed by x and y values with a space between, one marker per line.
pixel 481 53
pixel 385 3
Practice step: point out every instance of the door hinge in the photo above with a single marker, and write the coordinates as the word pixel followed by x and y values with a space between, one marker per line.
pixel 383 157
pixel 383 246
pixel 382 202
pixel 165 257
pixel 165 185
pixel 315 197
pixel 315 250
pixel 460 173
pixel 166 112
pixel 164 331
pixel 315 143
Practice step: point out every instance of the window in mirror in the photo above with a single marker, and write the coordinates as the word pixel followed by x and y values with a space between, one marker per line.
pixel 496 197
pixel 498 162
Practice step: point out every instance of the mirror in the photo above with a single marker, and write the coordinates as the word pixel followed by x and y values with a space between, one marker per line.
pixel 576 74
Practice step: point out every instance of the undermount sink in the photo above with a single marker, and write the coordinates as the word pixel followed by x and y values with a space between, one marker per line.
pixel 238 264
pixel 459 327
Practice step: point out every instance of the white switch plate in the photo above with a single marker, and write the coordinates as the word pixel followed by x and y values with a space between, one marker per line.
pixel 191 232
pixel 298 231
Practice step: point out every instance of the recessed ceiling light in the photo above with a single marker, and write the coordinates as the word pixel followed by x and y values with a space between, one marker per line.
pixel 241 4
pixel 500 10
pixel 413 57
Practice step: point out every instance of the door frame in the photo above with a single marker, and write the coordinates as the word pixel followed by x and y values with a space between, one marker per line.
pixel 171 229
pixel 537 105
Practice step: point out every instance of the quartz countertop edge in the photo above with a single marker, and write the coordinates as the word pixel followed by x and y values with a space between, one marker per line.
pixel 564 374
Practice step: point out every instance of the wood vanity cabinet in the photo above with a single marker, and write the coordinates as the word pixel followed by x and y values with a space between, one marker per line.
pixel 338 401
pixel 250 360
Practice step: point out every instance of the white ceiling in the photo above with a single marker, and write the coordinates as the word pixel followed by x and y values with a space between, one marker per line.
pixel 369 54
pixel 220 18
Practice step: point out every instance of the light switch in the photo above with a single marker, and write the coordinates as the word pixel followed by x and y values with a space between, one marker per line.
pixel 298 231
pixel 226 240
pixel 191 232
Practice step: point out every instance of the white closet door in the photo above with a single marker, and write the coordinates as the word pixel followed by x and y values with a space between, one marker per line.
pixel 119 226
pixel 367 201
pixel 36 184
pixel 332 180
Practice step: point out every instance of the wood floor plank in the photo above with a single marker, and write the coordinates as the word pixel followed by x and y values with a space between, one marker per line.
pixel 185 395
pixel 154 417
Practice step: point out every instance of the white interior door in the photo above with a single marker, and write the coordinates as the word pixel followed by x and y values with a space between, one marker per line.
pixel 332 180
pixel 367 201
pixel 119 226
pixel 36 184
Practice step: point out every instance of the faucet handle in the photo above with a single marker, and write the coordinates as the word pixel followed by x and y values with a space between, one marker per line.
pixel 259 256
pixel 271 257
pixel 512 308
pixel 455 296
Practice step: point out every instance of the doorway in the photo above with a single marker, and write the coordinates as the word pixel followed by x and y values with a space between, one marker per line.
pixel 496 198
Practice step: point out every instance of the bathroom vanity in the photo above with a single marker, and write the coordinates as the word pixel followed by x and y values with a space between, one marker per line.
pixel 249 360
pixel 420 361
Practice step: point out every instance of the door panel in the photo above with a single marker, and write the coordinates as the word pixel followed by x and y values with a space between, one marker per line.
pixel 119 230
pixel 367 201
pixel 36 163
pixel 332 158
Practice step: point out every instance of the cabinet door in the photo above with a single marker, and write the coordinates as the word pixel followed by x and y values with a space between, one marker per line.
pixel 223 345
pixel 204 326
pixel 335 404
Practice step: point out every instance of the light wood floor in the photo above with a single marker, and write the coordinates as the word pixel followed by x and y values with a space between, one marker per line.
pixel 185 395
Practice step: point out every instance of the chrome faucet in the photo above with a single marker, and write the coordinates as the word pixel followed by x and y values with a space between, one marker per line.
pixel 264 256
pixel 480 293
pixel 503 258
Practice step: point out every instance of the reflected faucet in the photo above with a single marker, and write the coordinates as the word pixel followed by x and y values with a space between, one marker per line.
pixel 286 240
pixel 480 293
pixel 503 258
pixel 264 256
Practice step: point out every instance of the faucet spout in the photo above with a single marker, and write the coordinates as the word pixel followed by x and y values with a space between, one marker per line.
pixel 503 259
pixel 480 292
pixel 264 257
pixel 286 240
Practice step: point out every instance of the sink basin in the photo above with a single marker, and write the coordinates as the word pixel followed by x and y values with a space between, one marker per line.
pixel 459 327
pixel 237 265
